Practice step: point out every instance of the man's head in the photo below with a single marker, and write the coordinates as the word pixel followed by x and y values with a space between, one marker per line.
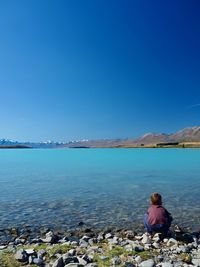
pixel 156 199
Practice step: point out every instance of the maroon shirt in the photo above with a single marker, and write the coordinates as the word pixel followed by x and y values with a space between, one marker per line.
pixel 157 215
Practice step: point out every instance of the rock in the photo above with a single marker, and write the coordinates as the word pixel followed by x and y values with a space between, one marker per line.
pixel 3 247
pixel 71 252
pixel 103 258
pixel 109 235
pixel 178 264
pixel 50 238
pixel 138 259
pixel 156 237
pixel 171 241
pixel 85 238
pixel 196 262
pixel 167 264
pixel 36 241
pixel 147 246
pixel 160 258
pixel 129 264
pixel 41 253
pixel 116 260
pixel 147 263
pixel 83 244
pixel 30 260
pixel 91 241
pixel 113 240
pixel 87 258
pixel 19 241
pixel 130 234
pixel 92 249
pixel 145 239
pixel 100 237
pixel 138 237
pixel 156 245
pixel 30 251
pixel 70 259
pixel 128 248
pixel 21 255
pixel 38 261
pixel 82 261
pixel 58 263
pixel 139 249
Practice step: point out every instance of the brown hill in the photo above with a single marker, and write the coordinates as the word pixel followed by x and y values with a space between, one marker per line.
pixel 187 135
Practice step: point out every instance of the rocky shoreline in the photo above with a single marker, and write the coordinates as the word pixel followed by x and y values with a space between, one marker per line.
pixel 90 248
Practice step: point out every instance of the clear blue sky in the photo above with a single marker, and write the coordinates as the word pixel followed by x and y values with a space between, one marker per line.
pixel 92 69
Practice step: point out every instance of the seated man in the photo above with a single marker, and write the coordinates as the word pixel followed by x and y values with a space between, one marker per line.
pixel 157 219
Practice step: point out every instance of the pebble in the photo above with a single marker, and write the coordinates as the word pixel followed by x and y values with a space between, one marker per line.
pixel 103 258
pixel 107 236
pixel 138 259
pixel 30 251
pixel 167 264
pixel 21 255
pixel 83 250
pixel 3 247
pixel 116 261
pixel 145 239
pixel 58 263
pixel 147 263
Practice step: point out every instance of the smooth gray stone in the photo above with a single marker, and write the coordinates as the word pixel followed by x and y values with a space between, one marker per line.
pixel 196 262
pixel 147 263
pixel 71 252
pixel 167 264
pixel 85 238
pixel 109 235
pixel 38 261
pixel 67 260
pixel 116 261
pixel 50 238
pixel 21 255
pixel 87 258
pixel 30 259
pixel 30 251
pixel 58 263
pixel 138 259
pixel 41 253
pixel 103 258
pixel 82 261
pixel 3 247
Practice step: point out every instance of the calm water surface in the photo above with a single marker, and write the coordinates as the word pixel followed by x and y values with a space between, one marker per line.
pixel 101 187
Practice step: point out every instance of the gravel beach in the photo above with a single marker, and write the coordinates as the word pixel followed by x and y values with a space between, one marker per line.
pixel 90 248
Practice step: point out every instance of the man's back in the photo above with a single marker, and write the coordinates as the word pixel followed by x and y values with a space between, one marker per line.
pixel 157 214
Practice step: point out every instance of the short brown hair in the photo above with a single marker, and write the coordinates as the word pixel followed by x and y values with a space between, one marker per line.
pixel 156 199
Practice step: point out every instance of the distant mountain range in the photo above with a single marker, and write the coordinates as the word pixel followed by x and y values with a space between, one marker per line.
pixel 18 144
pixel 186 137
pixel 191 134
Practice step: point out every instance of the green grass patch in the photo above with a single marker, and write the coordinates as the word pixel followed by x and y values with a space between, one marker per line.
pixel 59 248
pixel 7 259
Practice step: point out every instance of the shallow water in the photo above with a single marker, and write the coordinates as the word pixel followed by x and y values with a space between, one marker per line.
pixel 101 187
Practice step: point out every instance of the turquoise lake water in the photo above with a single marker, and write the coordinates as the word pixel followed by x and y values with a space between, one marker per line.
pixel 100 187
